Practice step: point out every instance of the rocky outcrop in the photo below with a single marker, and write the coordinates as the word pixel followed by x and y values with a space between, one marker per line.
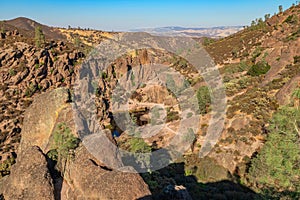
pixel 86 178
pixel 25 71
pixel 40 118
pixel 29 178
pixel 83 176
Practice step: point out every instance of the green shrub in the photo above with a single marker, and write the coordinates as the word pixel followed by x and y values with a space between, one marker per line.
pixel 292 36
pixel 296 59
pixel 12 72
pixel 256 53
pixel 30 90
pixel 292 19
pixel 5 166
pixel 63 142
pixel 189 115
pixel 138 145
pixel 142 150
pixel 172 116
pixel 103 75
pixel 208 41
pixel 259 69
pixel 188 172
pixel 203 96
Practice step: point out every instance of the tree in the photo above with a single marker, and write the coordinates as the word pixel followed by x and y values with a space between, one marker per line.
pixel 296 95
pixel 203 96
pixel 280 9
pixel 77 42
pixel 276 166
pixel 39 37
pixel 64 142
pixel 267 16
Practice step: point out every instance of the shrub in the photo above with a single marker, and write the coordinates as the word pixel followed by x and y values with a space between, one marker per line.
pixel 292 19
pixel 172 116
pixel 292 36
pixel 30 90
pixel 138 145
pixel 5 166
pixel 203 96
pixel 256 53
pixel 103 75
pixel 63 142
pixel 208 41
pixel 12 72
pixel 142 150
pixel 296 59
pixel 259 69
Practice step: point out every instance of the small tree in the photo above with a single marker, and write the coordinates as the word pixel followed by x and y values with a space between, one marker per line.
pixel 77 42
pixel 280 9
pixel 64 142
pixel 39 37
pixel 203 96
pixel 267 16
pixel 296 95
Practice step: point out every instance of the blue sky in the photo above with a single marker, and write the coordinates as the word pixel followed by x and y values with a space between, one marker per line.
pixel 125 14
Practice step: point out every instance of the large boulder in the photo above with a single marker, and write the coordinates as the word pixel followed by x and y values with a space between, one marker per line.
pixel 29 178
pixel 86 178
pixel 40 118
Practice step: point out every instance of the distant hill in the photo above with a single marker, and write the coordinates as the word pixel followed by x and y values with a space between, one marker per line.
pixel 213 32
pixel 27 27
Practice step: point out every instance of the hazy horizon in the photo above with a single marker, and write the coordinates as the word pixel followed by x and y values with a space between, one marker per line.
pixel 124 15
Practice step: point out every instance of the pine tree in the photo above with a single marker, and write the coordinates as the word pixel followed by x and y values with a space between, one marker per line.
pixel 280 9
pixel 277 165
pixel 39 37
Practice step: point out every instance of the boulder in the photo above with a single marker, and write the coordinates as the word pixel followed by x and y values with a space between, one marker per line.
pixel 29 178
pixel 40 117
pixel 87 178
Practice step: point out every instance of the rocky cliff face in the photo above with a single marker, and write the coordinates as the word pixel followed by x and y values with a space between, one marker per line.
pixel 79 177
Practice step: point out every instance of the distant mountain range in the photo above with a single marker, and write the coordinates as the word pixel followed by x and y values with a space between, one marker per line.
pixel 213 32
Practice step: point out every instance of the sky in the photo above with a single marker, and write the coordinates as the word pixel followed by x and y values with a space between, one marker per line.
pixel 122 15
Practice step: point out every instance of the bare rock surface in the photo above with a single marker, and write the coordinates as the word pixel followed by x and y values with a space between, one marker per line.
pixel 30 178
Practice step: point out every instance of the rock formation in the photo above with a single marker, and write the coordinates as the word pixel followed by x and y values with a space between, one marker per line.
pixel 83 177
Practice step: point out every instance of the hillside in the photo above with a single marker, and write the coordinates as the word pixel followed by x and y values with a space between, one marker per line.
pixel 27 27
pixel 43 140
